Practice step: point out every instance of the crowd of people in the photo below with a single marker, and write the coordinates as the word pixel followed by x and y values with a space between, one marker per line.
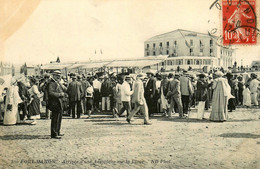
pixel 147 94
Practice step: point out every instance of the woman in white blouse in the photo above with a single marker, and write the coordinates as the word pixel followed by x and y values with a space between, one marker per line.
pixel 34 105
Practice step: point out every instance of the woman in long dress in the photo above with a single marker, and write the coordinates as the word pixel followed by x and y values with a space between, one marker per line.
pixel 247 97
pixel 34 105
pixel 221 95
pixel 11 115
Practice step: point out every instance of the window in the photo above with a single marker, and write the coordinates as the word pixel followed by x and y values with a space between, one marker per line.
pixel 201 44
pixel 191 42
pixel 175 43
pixel 197 62
pixel 201 50
pixel 147 54
pixel 191 52
pixel 169 62
pixel 167 44
pixel 179 61
pixel 174 52
pixel 211 42
pixel 154 45
pixel 160 44
pixel 154 53
pixel 188 62
pixel 167 52
pixel 147 46
pixel 211 52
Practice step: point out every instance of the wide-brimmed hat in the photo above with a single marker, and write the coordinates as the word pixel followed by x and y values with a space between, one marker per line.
pixel 20 78
pixel 13 80
pixel 219 73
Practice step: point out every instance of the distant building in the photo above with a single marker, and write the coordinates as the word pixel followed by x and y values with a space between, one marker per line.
pixel 255 64
pixel 5 69
pixel 188 49
pixel 30 70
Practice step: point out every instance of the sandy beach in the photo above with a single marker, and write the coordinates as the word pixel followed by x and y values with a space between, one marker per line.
pixel 103 142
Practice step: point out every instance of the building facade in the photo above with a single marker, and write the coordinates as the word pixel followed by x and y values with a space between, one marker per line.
pixel 188 49
pixel 6 69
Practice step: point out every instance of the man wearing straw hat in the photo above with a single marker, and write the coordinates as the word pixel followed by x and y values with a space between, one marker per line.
pixel 56 93
pixel 139 101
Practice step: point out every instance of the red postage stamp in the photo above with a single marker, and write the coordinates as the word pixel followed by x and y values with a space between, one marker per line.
pixel 239 22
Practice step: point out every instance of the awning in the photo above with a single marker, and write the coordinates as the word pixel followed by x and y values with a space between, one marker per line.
pixel 75 66
pixel 55 66
pixel 138 62
pixel 92 65
pixel 134 63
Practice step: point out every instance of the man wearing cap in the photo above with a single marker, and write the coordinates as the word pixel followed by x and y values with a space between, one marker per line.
pixel 75 92
pixel 174 94
pixel 149 93
pixel 139 101
pixel 56 93
pixel 186 91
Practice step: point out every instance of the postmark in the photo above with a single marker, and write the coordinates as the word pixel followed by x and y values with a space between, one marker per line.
pixel 239 21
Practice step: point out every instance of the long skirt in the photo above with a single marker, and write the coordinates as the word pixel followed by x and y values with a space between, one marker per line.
pixel 34 108
pixel 11 117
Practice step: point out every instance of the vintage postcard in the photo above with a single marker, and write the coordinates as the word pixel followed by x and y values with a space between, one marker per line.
pixel 124 84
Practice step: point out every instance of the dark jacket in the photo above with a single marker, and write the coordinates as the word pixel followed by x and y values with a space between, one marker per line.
pixel 150 87
pixel 75 91
pixel 23 91
pixel 106 88
pixel 202 90
pixel 55 98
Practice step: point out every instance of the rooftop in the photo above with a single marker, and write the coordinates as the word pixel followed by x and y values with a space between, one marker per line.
pixel 182 32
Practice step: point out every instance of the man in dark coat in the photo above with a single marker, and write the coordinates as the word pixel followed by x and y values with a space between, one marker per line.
pixel 56 94
pixel 106 91
pixel 75 92
pixel 149 93
pixel 45 94
pixel 202 90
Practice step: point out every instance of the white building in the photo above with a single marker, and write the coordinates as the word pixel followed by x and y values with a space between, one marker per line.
pixel 188 49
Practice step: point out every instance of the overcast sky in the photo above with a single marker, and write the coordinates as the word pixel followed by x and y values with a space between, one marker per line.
pixel 74 29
